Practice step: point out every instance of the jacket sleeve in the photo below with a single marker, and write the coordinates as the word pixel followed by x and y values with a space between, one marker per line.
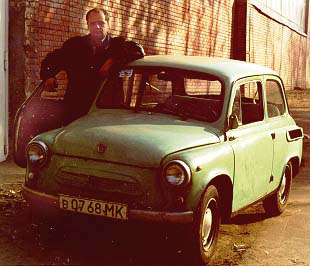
pixel 51 65
pixel 123 51
pixel 55 61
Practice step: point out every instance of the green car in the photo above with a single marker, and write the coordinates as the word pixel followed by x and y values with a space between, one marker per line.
pixel 187 140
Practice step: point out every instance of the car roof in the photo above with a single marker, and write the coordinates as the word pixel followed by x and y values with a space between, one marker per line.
pixel 227 69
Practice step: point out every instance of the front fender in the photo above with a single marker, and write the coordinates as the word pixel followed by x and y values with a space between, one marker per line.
pixel 206 163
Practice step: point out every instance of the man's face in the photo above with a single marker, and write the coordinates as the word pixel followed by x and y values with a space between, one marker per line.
pixel 97 25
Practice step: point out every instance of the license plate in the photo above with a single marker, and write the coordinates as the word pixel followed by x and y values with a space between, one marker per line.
pixel 93 207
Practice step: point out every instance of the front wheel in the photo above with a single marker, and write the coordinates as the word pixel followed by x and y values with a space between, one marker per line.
pixel 276 203
pixel 206 227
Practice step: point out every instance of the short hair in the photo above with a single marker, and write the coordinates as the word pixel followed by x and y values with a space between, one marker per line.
pixel 98 10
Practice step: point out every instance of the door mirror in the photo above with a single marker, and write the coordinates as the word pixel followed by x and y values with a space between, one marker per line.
pixel 234 122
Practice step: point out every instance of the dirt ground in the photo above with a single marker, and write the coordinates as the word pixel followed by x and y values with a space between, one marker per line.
pixel 251 238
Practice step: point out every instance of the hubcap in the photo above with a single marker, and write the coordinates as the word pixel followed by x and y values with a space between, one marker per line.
pixel 207 228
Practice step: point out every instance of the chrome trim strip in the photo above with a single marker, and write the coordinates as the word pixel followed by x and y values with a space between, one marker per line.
pixel 44 148
pixel 184 166
pixel 158 216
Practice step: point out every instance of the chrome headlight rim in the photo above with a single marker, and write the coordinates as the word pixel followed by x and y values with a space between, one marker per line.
pixel 185 168
pixel 44 152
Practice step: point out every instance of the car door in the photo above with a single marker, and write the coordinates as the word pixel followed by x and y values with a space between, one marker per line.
pixel 251 143
pixel 39 113
pixel 280 127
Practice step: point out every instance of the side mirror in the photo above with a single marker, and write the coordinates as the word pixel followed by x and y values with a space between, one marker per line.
pixel 234 122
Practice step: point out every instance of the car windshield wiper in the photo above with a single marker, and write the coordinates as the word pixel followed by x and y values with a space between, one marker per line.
pixel 172 108
pixel 185 111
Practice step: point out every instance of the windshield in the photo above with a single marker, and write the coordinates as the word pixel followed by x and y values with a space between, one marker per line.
pixel 184 93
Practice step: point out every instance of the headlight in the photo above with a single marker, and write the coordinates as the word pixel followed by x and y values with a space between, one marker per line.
pixel 177 173
pixel 37 153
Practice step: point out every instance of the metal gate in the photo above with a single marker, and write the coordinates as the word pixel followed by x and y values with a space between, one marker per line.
pixel 3 79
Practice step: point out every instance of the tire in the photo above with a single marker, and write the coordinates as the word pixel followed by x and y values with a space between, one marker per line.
pixel 204 236
pixel 276 203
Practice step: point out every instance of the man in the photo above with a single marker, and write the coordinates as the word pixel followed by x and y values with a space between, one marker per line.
pixel 87 60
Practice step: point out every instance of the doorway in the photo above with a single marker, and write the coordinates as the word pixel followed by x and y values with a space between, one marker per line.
pixel 3 79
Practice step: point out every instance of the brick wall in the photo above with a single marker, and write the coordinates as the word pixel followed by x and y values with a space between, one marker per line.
pixel 193 27
pixel 223 28
pixel 196 27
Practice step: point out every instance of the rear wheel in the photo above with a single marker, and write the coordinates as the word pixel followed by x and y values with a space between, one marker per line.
pixel 206 227
pixel 276 203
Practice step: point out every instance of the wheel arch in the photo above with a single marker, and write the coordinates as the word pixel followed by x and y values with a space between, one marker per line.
pixel 295 165
pixel 224 187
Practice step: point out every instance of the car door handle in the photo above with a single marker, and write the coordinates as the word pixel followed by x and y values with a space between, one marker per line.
pixel 273 135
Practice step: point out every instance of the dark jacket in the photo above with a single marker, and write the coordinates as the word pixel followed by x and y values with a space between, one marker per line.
pixel 81 64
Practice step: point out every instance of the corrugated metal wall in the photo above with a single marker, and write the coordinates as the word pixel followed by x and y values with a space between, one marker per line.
pixel 275 45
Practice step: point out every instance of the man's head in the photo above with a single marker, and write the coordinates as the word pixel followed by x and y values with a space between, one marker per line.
pixel 98 22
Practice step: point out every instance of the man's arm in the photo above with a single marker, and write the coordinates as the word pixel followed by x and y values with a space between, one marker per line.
pixel 120 53
pixel 125 51
pixel 55 62
pixel 52 64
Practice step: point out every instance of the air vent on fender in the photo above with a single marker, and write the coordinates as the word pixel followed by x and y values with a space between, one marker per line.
pixel 295 134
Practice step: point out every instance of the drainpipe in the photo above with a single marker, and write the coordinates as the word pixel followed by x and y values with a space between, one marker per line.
pixel 239 30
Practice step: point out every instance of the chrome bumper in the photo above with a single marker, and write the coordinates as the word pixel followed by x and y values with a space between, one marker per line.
pixel 49 201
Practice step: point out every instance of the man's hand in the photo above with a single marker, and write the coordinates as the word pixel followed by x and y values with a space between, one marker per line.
pixel 105 68
pixel 50 84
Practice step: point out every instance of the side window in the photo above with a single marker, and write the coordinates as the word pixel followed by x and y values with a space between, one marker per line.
pixel 237 106
pixel 248 103
pixel 275 100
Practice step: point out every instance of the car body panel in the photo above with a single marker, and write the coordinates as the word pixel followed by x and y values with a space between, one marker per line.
pixel 207 163
pixel 227 69
pixel 253 164
pixel 36 115
pixel 135 186
pixel 134 138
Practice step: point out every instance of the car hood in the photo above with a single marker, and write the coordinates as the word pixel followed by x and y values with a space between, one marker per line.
pixel 124 136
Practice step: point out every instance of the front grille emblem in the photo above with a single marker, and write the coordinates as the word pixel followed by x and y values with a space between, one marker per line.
pixel 101 148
